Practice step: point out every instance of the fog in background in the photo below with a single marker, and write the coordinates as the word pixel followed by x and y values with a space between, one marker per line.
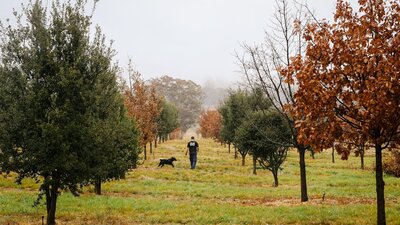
pixel 187 39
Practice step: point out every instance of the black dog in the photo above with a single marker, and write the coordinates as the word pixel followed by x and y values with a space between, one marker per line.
pixel 167 161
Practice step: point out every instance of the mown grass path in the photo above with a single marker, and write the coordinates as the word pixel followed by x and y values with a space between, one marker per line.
pixel 219 191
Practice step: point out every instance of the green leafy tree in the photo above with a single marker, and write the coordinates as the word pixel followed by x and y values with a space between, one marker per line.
pixel 234 111
pixel 168 120
pixel 226 132
pixel 115 145
pixel 266 135
pixel 62 117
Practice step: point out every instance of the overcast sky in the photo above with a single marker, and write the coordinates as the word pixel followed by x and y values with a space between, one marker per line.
pixel 187 39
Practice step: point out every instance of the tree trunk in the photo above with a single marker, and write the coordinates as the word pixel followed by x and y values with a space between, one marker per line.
pixel 380 186
pixel 145 152
pixel 151 147
pixel 303 179
pixel 97 187
pixel 51 203
pixel 362 156
pixel 236 155
pixel 243 160
pixel 333 153
pixel 254 165
pixel 155 142
pixel 48 199
pixel 275 173
pixel 229 148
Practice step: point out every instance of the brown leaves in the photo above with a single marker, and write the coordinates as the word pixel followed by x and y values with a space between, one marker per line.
pixel 349 77
pixel 143 106
pixel 210 124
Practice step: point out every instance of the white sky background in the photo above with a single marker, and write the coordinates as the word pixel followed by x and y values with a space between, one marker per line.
pixel 187 39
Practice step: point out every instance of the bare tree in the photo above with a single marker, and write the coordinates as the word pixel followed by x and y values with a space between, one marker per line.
pixel 261 65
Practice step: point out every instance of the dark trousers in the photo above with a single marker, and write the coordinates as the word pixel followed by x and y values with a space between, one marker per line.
pixel 193 160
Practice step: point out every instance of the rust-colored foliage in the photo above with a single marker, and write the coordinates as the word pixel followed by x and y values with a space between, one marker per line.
pixel 210 124
pixel 143 105
pixel 349 82
pixel 176 134
pixel 349 79
pixel 392 165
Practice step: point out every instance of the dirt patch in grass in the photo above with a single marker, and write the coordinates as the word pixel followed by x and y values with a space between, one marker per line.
pixel 260 201
pixel 297 202
pixel 100 220
pixel 17 189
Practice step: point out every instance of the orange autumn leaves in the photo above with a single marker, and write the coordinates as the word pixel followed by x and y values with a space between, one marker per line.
pixel 144 106
pixel 210 124
pixel 349 78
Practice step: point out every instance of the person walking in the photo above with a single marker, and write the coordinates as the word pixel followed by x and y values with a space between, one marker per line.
pixel 193 149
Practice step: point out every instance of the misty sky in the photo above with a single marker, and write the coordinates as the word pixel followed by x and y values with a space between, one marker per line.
pixel 187 39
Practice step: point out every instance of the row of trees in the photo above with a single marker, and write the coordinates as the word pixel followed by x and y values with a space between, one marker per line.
pixel 333 82
pixel 144 106
pixel 156 117
pixel 161 105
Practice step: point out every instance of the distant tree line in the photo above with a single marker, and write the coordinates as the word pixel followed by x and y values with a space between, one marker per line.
pixel 186 95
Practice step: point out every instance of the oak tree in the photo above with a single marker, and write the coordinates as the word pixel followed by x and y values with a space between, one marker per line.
pixel 349 82
pixel 144 106
pixel 210 124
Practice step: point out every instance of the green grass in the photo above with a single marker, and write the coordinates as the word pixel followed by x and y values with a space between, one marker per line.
pixel 219 191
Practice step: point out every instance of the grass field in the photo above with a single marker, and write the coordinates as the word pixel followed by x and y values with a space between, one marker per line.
pixel 219 191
